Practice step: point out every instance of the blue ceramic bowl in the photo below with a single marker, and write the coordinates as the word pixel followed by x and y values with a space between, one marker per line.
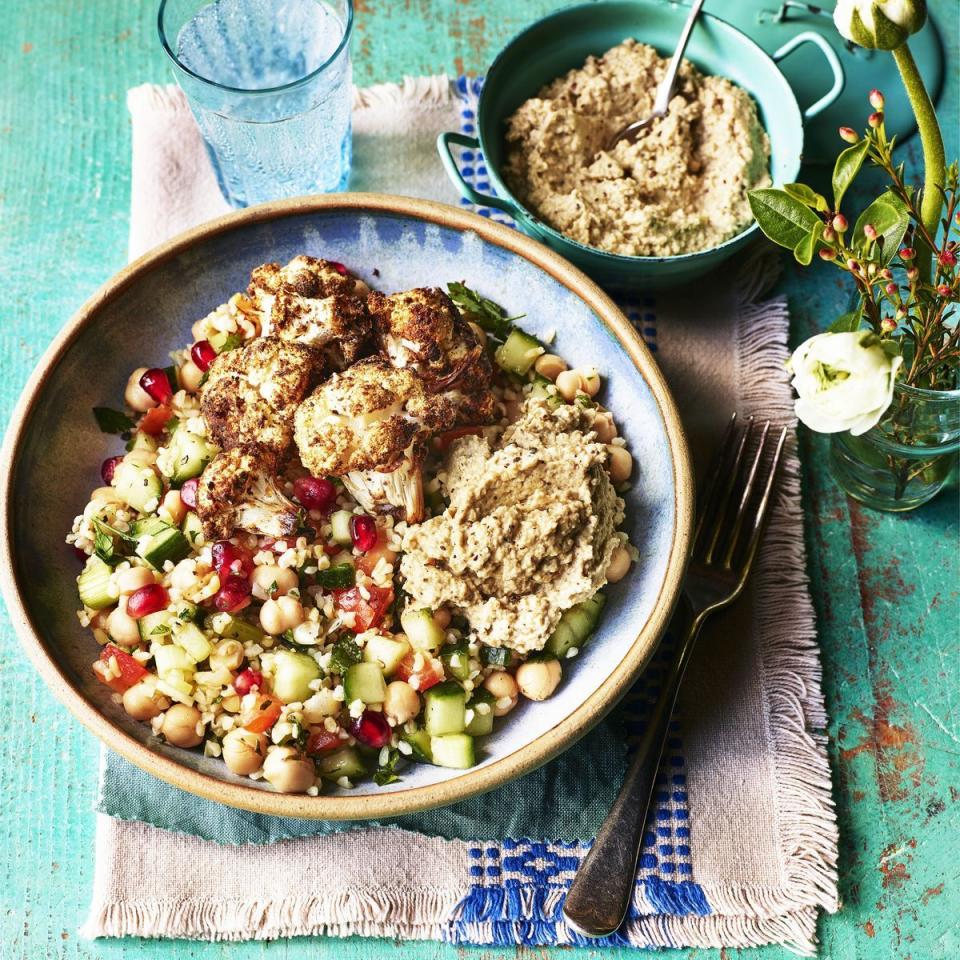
pixel 563 41
pixel 393 243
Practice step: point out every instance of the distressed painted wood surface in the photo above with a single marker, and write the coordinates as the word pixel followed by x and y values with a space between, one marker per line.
pixel 885 587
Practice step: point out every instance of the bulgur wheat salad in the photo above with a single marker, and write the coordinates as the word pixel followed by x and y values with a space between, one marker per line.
pixel 349 530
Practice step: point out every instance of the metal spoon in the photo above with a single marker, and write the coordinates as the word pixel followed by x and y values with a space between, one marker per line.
pixel 665 91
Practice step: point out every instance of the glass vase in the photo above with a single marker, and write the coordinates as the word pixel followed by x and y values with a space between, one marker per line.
pixel 904 460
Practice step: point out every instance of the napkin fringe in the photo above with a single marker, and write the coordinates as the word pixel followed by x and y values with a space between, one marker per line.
pixel 432 91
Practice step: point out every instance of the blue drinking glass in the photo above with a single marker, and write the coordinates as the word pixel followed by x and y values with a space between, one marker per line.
pixel 269 84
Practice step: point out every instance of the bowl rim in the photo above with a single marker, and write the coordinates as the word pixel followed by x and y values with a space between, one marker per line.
pixel 471 782
pixel 621 259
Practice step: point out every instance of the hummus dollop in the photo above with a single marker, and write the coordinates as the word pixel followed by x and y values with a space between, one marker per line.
pixel 529 531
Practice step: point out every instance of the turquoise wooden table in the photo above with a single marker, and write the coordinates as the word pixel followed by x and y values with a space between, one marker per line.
pixel 885 587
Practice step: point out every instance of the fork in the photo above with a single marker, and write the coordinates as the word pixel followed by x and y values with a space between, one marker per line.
pixel 725 544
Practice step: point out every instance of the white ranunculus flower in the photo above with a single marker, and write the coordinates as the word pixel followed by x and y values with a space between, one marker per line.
pixel 879 24
pixel 844 381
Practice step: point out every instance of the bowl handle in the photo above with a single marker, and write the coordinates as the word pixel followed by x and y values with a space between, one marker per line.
pixel 453 172
pixel 832 60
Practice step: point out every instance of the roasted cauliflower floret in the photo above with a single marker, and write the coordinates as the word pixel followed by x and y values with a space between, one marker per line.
pixel 237 491
pixel 423 329
pixel 370 426
pixel 251 393
pixel 315 302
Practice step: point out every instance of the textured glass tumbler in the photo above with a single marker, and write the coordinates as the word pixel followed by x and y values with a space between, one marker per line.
pixel 269 84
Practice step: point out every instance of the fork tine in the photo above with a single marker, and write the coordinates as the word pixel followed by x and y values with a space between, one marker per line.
pixel 710 494
pixel 728 487
pixel 745 496
pixel 764 503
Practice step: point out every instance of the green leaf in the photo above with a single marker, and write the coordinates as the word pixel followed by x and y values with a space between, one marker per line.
pixel 346 652
pixel 846 323
pixel 103 546
pixel 231 342
pixel 807 247
pixel 386 772
pixel 806 195
pixel 846 168
pixel 783 219
pixel 481 311
pixel 889 215
pixel 112 421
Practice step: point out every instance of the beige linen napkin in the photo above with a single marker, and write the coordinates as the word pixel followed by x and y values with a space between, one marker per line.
pixel 763 842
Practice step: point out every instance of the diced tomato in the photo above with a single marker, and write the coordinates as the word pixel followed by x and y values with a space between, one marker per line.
pixel 131 671
pixel 155 419
pixel 429 674
pixel 332 549
pixel 322 741
pixel 371 558
pixel 263 715
pixel 368 612
pixel 442 441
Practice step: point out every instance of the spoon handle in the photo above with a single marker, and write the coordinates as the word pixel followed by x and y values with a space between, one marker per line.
pixel 665 90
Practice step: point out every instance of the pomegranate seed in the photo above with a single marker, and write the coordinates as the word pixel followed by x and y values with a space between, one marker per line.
pixel 247 680
pixel 339 267
pixel 315 494
pixel 188 492
pixel 363 532
pixel 155 383
pixel 108 468
pixel 233 595
pixel 371 729
pixel 147 600
pixel 322 741
pixel 229 560
pixel 203 354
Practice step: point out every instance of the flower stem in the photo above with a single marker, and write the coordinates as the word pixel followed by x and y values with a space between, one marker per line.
pixel 934 155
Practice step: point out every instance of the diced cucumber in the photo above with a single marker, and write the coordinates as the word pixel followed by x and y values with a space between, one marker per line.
pixel 137 486
pixel 193 640
pixel 481 723
pixel 229 627
pixel 345 762
pixel 542 390
pixel 496 656
pixel 177 687
pixel 94 587
pixel 345 652
pixel 419 742
pixel 518 352
pixel 422 630
pixel 576 625
pixel 146 525
pixel 445 711
pixel 171 658
pixel 168 544
pixel 188 612
pixel 221 341
pixel 337 577
pixel 155 625
pixel 340 527
pixel 456 660
pixel 364 681
pixel 385 652
pixel 453 750
pixel 193 529
pixel 292 674
pixel 188 455
pixel 143 441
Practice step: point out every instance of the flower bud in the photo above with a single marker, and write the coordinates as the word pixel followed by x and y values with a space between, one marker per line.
pixel 944 290
pixel 901 312
pixel 888 324
pixel 891 288
pixel 913 273
pixel 870 231
pixel 839 223
pixel 879 24
pixel 876 99
pixel 907 253
pixel 874 120
pixel 852 265
pixel 829 234
pixel 848 134
pixel 828 253
pixel 947 258
pixel 886 273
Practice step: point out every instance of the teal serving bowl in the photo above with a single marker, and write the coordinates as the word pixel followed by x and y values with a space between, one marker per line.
pixel 562 42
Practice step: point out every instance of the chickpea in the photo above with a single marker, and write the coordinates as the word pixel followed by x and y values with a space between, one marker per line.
pixel 180 724
pixel 589 380
pixel 135 396
pixel 141 457
pixel 266 576
pixel 538 679
pixel 142 702
pixel 619 565
pixel 285 770
pixel 281 614
pixel 321 705
pixel 134 579
pixel 189 377
pixel 243 751
pixel 227 656
pixel 621 464
pixel 401 703
pixel 568 383
pixel 105 495
pixel 184 574
pixel 441 617
pixel 604 427
pixel 122 627
pixel 174 506
pixel 502 685
pixel 549 365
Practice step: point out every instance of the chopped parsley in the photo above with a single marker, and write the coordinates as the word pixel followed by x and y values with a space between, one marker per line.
pixel 386 772
pixel 482 311
pixel 112 421
pixel 345 654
